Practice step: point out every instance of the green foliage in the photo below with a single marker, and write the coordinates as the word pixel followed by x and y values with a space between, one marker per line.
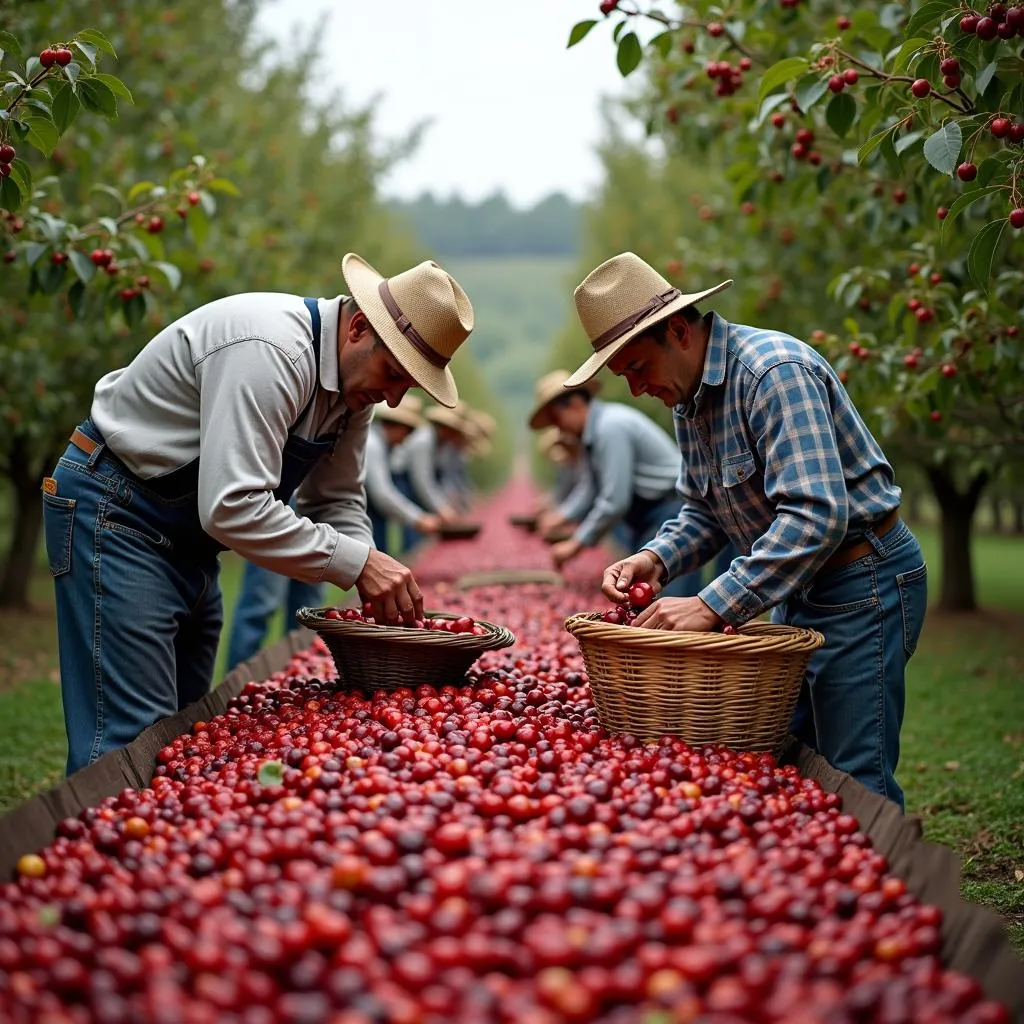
pixel 493 227
pixel 842 219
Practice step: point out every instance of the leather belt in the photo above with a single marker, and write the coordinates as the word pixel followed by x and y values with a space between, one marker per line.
pixel 83 441
pixel 846 555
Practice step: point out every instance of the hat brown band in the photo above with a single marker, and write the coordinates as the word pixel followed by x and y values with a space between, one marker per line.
pixel 625 326
pixel 405 326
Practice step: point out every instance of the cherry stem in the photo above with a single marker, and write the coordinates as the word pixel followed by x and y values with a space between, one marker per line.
pixel 28 87
pixel 884 77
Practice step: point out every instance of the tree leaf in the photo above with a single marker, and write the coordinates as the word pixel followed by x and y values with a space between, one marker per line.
pixel 873 143
pixel 87 50
pixel 33 251
pixel 906 51
pixel 225 186
pixel 925 15
pixel 784 71
pixel 629 54
pixel 809 90
pixel 579 31
pixel 10 194
pixel 170 272
pixel 907 141
pixel 73 72
pixel 98 97
pixel 942 149
pixel 76 298
pixel 66 106
pixel 109 224
pixel 97 39
pixel 984 77
pixel 138 189
pixel 42 133
pixel 9 43
pixel 662 42
pixel 109 190
pixel 21 174
pixel 983 250
pixel 83 266
pixel 115 85
pixel 198 225
pixel 841 113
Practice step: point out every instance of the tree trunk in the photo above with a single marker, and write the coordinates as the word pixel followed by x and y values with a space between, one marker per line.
pixel 912 505
pixel 957 508
pixel 28 519
pixel 1018 516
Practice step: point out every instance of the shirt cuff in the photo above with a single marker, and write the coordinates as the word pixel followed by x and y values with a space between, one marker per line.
pixel 668 553
pixel 731 601
pixel 347 562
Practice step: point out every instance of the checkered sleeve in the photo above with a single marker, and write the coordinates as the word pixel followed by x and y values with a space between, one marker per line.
pixel 693 537
pixel 790 415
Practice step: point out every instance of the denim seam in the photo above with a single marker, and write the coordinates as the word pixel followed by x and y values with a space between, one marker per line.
pixel 97 620
pixel 879 682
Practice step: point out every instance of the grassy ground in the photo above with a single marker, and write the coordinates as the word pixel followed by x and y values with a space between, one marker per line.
pixel 963 742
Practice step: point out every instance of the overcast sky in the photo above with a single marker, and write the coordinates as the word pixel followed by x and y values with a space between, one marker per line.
pixel 510 108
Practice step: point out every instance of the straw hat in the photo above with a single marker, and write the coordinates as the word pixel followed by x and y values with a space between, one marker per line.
pixel 422 315
pixel 619 300
pixel 454 417
pixel 557 446
pixel 408 412
pixel 551 386
pixel 486 423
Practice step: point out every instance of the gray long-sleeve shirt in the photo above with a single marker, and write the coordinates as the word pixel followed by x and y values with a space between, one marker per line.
pixel 419 457
pixel 225 384
pixel 625 455
pixel 381 492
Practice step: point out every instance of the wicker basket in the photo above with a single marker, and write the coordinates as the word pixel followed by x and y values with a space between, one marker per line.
pixel 372 657
pixel 525 522
pixel 459 531
pixel 703 687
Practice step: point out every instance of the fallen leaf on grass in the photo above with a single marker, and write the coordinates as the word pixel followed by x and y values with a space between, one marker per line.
pixel 952 766
pixel 1018 874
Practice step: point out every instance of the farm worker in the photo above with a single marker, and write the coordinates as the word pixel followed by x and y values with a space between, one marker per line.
pixel 429 457
pixel 197 446
pixel 384 501
pixel 776 459
pixel 629 475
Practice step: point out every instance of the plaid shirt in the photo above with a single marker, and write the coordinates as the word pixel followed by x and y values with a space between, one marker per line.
pixel 776 459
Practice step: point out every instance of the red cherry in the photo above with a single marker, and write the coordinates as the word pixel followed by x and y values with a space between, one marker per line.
pixel 921 87
pixel 986 28
pixel 48 58
pixel 843 23
pixel 967 171
pixel 641 594
pixel 1000 127
pixel 852 76
pixel 7 153
pixel 948 370
pixel 837 83
pixel 64 56
pixel 1017 217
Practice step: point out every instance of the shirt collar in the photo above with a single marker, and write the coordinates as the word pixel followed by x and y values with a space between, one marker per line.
pixel 590 430
pixel 330 316
pixel 715 361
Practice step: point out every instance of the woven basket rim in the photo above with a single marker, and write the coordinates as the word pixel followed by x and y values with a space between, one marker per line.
pixel 753 638
pixel 496 637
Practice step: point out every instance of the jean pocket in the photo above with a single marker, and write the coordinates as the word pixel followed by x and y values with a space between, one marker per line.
pixel 913 588
pixel 852 589
pixel 58 522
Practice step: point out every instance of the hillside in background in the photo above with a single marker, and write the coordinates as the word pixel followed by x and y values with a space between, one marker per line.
pixel 493 227
pixel 520 303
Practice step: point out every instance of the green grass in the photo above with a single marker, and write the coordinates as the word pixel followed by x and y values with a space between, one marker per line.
pixel 963 742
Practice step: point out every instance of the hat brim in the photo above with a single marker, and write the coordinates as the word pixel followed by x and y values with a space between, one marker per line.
pixel 362 281
pixel 541 415
pixel 444 417
pixel 399 416
pixel 599 359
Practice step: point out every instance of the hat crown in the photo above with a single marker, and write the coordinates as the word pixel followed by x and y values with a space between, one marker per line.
pixel 550 387
pixel 435 304
pixel 616 290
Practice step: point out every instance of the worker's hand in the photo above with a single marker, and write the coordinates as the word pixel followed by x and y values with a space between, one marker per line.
pixel 428 523
pixel 681 614
pixel 643 567
pixel 565 550
pixel 448 515
pixel 550 522
pixel 390 589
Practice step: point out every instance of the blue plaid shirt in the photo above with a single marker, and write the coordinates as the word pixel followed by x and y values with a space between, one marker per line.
pixel 776 459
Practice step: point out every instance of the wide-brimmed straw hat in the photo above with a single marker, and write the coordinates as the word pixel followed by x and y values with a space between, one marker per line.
pixel 550 387
pixel 408 412
pixel 619 300
pixel 422 315
pixel 556 446
pixel 454 417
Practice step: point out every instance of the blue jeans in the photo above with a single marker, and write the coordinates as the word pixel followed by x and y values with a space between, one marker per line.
pixel 262 593
pixel 871 613
pixel 136 596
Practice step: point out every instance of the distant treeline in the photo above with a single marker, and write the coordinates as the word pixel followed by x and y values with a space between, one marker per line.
pixel 493 227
